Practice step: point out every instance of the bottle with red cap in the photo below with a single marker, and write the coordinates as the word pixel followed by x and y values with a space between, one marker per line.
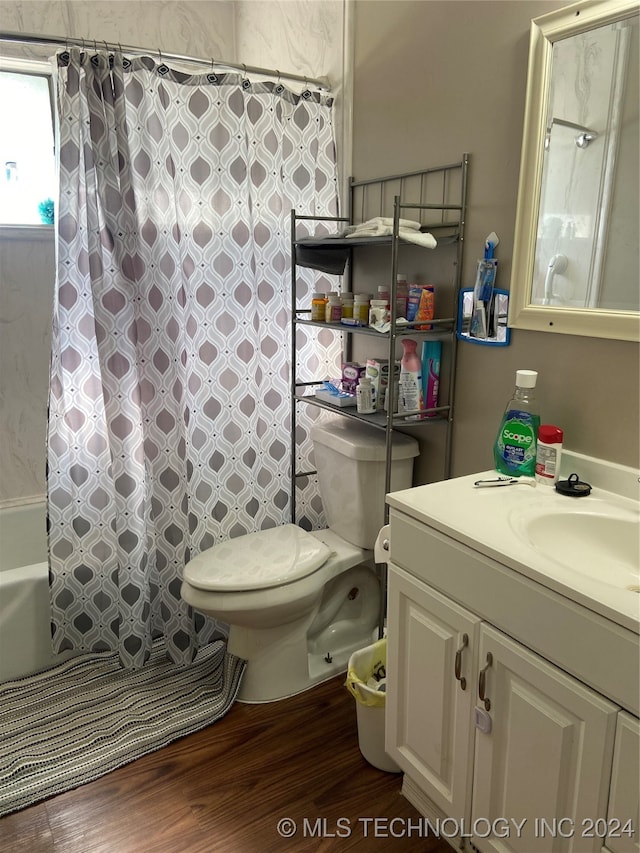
pixel 548 453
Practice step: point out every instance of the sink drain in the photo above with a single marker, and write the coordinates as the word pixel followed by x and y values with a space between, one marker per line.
pixel 634 587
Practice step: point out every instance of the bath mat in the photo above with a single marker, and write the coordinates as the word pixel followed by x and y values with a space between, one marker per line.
pixel 73 723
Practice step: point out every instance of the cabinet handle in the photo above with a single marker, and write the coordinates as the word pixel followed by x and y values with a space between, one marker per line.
pixel 458 664
pixel 482 682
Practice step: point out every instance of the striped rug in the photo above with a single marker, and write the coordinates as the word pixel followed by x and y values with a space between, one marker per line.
pixel 71 724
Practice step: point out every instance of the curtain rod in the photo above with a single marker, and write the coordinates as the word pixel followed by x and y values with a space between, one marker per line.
pixel 29 38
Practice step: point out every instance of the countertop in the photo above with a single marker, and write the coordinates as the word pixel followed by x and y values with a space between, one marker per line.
pixel 487 520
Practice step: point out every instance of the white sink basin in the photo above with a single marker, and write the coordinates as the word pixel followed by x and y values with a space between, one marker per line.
pixel 604 546
pixel 586 549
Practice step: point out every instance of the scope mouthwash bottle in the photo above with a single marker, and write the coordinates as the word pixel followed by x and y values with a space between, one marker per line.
pixel 514 451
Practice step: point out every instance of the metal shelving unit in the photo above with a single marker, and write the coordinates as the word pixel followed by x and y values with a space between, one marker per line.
pixel 437 193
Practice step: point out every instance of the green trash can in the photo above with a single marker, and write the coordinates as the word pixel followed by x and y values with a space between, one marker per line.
pixel 366 681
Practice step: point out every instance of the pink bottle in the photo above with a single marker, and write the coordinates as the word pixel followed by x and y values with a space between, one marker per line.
pixel 411 395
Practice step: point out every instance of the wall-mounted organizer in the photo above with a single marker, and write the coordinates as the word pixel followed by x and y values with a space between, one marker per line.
pixel 497 333
pixel 377 226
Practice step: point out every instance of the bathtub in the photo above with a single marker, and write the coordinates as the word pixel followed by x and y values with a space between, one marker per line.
pixel 25 634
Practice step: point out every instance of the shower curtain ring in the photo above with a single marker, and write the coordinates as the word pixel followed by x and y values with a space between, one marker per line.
pixel 160 54
pixel 106 46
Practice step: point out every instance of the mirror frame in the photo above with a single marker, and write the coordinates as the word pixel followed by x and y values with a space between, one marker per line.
pixel 545 30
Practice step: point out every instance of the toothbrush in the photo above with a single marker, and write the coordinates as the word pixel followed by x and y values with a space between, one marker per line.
pixel 483 289
pixel 334 390
pixel 486 277
pixel 489 266
pixel 505 481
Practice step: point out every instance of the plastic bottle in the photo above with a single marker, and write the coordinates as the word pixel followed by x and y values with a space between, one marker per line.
pixel 383 293
pixel 411 394
pixel 548 453
pixel 378 312
pixel 514 449
pixel 327 297
pixel 361 308
pixel 364 396
pixel 347 306
pixel 391 395
pixel 402 295
pixel 333 312
pixel 318 308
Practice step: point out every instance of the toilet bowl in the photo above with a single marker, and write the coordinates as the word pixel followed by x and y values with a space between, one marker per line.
pixel 298 604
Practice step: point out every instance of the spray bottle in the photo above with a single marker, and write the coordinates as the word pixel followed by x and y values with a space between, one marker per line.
pixel 514 450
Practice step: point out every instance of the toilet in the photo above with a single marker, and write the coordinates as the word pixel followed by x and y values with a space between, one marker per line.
pixel 298 604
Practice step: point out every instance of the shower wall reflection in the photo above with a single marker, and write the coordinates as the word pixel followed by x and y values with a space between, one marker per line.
pixel 587 240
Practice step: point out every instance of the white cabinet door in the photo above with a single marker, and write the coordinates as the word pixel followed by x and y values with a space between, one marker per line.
pixel 431 648
pixel 547 758
pixel 623 819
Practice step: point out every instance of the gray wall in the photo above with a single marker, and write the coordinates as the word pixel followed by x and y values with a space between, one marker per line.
pixel 431 81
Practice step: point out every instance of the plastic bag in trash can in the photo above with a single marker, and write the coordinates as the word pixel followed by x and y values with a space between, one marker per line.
pixel 366 674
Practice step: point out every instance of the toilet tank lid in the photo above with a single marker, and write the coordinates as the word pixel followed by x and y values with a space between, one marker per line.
pixel 362 442
pixel 260 560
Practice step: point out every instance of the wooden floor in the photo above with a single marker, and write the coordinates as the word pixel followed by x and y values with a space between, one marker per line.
pixel 225 789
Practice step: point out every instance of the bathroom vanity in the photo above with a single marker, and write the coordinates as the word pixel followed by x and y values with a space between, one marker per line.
pixel 514 661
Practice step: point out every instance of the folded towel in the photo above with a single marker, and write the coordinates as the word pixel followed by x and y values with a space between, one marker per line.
pixel 368 230
pixel 403 223
pixel 379 226
pixel 426 240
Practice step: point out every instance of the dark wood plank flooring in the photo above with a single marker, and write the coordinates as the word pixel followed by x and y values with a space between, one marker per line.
pixel 224 790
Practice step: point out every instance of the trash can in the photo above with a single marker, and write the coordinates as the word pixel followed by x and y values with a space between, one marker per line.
pixel 366 681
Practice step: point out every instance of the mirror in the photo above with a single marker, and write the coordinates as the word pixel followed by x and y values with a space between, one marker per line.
pixel 575 260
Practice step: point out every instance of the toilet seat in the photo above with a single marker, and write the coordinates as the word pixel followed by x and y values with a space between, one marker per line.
pixel 260 560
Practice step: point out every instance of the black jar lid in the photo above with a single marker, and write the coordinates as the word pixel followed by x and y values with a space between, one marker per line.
pixel 574 487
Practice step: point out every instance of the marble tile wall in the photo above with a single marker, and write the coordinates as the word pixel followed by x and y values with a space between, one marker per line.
pixel 305 37
pixel 27 274
pixel 188 27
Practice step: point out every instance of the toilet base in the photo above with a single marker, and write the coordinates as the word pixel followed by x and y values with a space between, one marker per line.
pixel 259 685
pixel 287 659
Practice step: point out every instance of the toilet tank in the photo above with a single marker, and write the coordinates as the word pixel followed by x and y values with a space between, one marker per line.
pixel 350 459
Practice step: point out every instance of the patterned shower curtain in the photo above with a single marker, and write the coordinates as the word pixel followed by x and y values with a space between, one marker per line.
pixel 169 394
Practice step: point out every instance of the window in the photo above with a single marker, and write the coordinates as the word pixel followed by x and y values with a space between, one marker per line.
pixel 28 184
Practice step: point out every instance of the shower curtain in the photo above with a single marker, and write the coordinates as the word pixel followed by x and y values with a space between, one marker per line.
pixel 169 394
